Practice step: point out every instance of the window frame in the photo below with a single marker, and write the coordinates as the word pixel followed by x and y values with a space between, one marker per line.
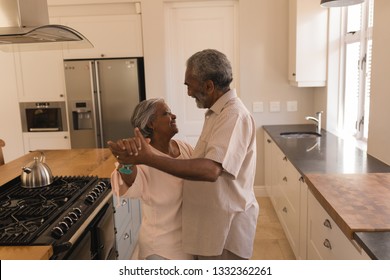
pixel 361 36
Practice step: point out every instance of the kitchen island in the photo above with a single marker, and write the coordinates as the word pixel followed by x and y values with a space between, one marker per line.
pixel 352 186
pixel 72 162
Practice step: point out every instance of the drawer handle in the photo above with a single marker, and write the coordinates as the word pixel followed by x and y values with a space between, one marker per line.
pixel 124 202
pixel 285 178
pixel 327 224
pixel 284 209
pixel 126 236
pixel 327 244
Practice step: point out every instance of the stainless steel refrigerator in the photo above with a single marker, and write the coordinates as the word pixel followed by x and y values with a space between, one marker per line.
pixel 102 95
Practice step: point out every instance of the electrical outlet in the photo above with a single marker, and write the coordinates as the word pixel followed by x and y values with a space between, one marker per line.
pixel 257 107
pixel 292 106
pixel 274 106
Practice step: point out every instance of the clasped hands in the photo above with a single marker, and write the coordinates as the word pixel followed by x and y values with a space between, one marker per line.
pixel 131 150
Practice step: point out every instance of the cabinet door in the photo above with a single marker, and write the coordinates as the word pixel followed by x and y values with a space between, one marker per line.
pixel 111 36
pixel 127 219
pixel 10 123
pixel 288 208
pixel 40 76
pixel 278 173
pixel 122 213
pixel 307 43
pixel 125 243
pixel 303 220
pixel 325 239
pixel 268 159
pixel 45 141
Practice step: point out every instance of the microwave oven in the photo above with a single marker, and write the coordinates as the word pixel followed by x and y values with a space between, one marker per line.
pixel 43 116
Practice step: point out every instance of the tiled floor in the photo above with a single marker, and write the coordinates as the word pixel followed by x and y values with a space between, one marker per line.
pixel 270 241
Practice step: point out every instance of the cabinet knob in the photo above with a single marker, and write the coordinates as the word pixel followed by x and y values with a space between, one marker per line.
pixel 126 236
pixel 301 179
pixel 285 178
pixel 269 141
pixel 327 244
pixel 293 74
pixel 327 224
pixel 284 209
pixel 124 202
pixel 285 158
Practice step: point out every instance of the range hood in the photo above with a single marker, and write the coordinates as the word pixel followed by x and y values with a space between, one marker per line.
pixel 27 22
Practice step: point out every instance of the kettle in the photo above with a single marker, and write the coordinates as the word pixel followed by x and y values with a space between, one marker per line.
pixel 36 173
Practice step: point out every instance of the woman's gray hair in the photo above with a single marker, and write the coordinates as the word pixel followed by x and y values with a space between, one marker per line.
pixel 211 65
pixel 143 114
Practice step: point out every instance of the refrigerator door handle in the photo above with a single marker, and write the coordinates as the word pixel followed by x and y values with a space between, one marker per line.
pixel 99 135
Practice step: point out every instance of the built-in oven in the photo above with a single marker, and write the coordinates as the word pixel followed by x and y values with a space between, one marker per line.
pixel 97 241
pixel 43 116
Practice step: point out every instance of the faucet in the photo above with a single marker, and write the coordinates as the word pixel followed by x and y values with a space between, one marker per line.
pixel 316 120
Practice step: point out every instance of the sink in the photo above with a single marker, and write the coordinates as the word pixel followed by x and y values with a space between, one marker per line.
pixel 300 134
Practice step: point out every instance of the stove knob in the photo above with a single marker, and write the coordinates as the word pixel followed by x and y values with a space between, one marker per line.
pixel 100 188
pixel 95 193
pixel 77 211
pixel 64 226
pixel 89 199
pixel 68 220
pixel 73 216
pixel 57 232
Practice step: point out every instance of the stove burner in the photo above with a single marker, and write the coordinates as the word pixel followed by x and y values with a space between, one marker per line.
pixel 25 213
pixel 20 228
pixel 11 203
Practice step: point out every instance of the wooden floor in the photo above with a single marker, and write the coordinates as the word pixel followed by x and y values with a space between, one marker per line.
pixel 270 241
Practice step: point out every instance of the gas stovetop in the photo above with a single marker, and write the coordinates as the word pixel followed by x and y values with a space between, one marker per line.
pixel 50 214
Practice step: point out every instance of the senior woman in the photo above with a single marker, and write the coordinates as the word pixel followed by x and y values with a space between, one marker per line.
pixel 160 193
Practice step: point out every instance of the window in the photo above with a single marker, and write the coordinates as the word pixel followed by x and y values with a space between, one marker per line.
pixel 357 47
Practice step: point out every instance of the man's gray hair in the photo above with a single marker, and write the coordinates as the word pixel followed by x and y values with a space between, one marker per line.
pixel 211 65
pixel 143 114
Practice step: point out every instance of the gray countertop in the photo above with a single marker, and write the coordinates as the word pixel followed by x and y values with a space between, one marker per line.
pixel 330 154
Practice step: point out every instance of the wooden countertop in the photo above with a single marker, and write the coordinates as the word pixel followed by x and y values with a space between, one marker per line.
pixel 356 202
pixel 72 162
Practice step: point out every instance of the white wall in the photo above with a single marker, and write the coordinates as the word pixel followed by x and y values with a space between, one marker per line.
pixel 379 128
pixel 263 49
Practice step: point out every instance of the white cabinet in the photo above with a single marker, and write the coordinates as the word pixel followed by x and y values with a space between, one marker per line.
pixel 127 223
pixel 326 241
pixel 268 163
pixel 10 123
pixel 40 76
pixel 288 201
pixel 288 192
pixel 271 172
pixel 111 36
pixel 303 219
pixel 46 140
pixel 307 43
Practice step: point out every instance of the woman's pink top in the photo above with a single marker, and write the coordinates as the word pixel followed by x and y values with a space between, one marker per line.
pixel 161 200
